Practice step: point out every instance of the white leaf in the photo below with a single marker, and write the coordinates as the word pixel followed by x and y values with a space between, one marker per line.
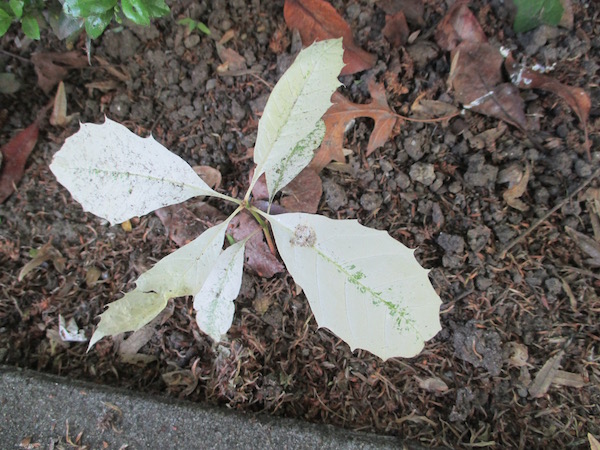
pixel 361 284
pixel 183 272
pixel 214 303
pixel 294 108
pixel 118 175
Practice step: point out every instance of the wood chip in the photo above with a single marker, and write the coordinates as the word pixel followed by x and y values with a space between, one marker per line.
pixel 544 378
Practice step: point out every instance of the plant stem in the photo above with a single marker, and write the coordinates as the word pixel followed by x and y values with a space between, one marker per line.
pixel 257 213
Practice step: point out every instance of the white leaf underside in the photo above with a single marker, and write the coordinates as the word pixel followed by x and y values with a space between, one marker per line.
pixel 293 111
pixel 214 303
pixel 183 272
pixel 361 284
pixel 117 175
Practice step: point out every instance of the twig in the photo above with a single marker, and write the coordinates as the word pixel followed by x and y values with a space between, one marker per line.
pixel 12 55
pixel 549 213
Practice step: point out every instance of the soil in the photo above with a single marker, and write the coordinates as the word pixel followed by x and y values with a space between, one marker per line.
pixel 437 186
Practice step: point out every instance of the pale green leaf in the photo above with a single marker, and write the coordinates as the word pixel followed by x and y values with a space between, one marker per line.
pixel 5 21
pixel 297 103
pixel 181 273
pixel 214 303
pixel 361 284
pixel 118 175
pixel 30 27
pixel 533 13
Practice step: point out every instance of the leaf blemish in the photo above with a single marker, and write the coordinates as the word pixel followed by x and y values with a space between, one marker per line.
pixel 304 236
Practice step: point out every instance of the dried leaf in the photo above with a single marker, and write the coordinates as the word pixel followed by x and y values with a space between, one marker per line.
pixel 594 444
pixel 518 354
pixel 303 193
pixel 59 117
pixel 477 82
pixel 14 157
pixel 459 25
pixel 544 378
pixel 525 78
pixel 342 112
pixel 210 175
pixel 412 9
pixel 258 255
pixel 433 108
pixel 432 385
pixel 231 61
pixel 46 253
pixel 318 20
pixel 183 225
pixel 51 68
pixel 516 190
pixel 588 245
pixel 69 331
pixel 396 29
pixel 569 379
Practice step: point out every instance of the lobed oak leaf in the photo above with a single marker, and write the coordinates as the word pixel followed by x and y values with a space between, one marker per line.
pixel 342 112
pixel 317 20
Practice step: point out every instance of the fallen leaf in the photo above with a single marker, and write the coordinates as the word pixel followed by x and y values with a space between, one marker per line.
pixel 45 253
pixel 544 378
pixel 318 20
pixel 209 175
pixel 14 157
pixel 59 117
pixel 476 77
pixel 102 86
pixel 459 25
pixel 51 68
pixel 69 331
pixel 303 193
pixel 525 78
pixel 518 354
pixel 588 245
pixel 515 190
pixel 432 384
pixel 258 256
pixel 342 112
pixel 533 13
pixel 183 225
pixel 231 61
pixel 433 108
pixel 412 9
pixel 112 69
pixel 396 29
pixel 569 379
pixel 594 444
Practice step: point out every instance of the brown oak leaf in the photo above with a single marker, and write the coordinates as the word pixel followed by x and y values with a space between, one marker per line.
pixel 317 20
pixel 342 112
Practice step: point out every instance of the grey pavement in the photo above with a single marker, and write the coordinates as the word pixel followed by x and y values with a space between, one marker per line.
pixel 35 409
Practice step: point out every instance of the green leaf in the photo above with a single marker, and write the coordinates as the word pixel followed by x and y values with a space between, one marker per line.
pixel 214 303
pixel 361 284
pixel 118 175
pixel 141 11
pixel 533 13
pixel 181 273
pixel 202 27
pixel 189 23
pixel 297 103
pixel 95 25
pixel 30 27
pixel 5 21
pixel 87 8
pixel 17 7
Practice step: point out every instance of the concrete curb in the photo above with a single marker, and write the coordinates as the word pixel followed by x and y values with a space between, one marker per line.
pixel 38 406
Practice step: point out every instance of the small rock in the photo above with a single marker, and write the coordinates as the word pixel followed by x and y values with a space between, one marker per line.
pixel 370 201
pixel 478 237
pixel 422 173
pixel 480 174
pixel 120 106
pixel 191 41
pixel 554 286
pixel 422 52
pixel 414 147
pixel 335 195
pixel 402 180
pixel 582 168
pixel 451 243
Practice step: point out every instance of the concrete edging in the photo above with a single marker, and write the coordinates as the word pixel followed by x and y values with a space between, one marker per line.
pixel 38 406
